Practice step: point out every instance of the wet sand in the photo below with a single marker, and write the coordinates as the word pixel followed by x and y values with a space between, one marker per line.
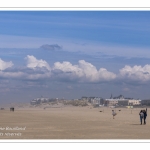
pixel 73 123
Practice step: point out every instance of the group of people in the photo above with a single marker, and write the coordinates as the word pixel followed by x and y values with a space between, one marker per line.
pixel 143 115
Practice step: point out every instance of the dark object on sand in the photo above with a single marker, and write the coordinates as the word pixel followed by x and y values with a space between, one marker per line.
pixel 2 108
pixel 12 109
pixel 100 111
pixel 119 110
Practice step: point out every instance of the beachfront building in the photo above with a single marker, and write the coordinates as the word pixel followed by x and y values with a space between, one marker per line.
pixel 33 102
pixel 93 100
pixel 90 99
pixel 41 100
pixel 145 102
pixel 97 101
pixel 121 101
pixel 111 102
pixel 134 102
pixel 84 98
pixel 129 102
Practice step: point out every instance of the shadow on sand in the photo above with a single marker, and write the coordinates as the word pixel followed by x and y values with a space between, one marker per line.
pixel 135 124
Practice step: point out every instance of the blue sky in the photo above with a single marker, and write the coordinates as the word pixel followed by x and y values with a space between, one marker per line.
pixel 116 27
pixel 74 53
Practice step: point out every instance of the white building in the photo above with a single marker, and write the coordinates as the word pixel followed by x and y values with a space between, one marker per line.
pixel 111 102
pixel 134 102
pixel 123 101
pixel 96 101
pixel 39 100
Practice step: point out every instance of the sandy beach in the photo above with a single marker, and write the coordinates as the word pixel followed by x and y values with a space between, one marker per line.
pixel 72 123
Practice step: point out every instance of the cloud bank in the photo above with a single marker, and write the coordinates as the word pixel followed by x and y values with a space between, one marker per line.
pixel 136 73
pixel 33 63
pixel 83 72
pixel 4 65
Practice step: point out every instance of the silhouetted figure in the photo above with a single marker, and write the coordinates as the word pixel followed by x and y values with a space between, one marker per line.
pixel 141 116
pixel 145 115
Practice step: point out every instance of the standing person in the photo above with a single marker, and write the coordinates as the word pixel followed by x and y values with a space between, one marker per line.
pixel 114 113
pixel 141 116
pixel 145 115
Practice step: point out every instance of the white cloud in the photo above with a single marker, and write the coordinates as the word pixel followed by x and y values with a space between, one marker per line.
pixel 36 71
pixel 137 73
pixel 46 75
pixel 65 71
pixel 4 65
pixel 24 75
pixel 65 67
pixel 84 72
pixel 12 74
pixel 33 63
pixel 93 75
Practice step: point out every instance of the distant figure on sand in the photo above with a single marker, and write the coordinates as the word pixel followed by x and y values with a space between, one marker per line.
pixel 141 116
pixel 114 113
pixel 145 115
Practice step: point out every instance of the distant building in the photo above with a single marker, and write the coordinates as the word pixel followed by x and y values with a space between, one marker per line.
pixel 146 102
pixel 42 100
pixel 84 98
pixel 97 101
pixel 134 102
pixel 121 101
pixel 33 102
pixel 87 99
pixel 119 97
pixel 111 102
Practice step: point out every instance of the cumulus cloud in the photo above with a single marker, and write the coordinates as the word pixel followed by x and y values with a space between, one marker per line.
pixel 25 74
pixel 93 74
pixel 136 73
pixel 38 76
pixel 51 47
pixel 38 69
pixel 33 63
pixel 84 72
pixel 4 65
pixel 35 70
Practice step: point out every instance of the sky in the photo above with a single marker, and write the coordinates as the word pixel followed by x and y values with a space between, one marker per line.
pixel 70 54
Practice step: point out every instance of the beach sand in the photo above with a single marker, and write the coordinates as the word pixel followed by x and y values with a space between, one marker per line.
pixel 73 123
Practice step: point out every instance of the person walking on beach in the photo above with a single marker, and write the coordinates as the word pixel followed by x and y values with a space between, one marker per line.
pixel 141 116
pixel 145 115
pixel 114 113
